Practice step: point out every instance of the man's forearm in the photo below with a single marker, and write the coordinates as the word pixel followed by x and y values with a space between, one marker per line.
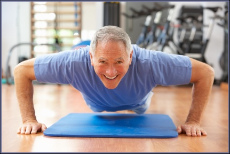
pixel 200 96
pixel 24 92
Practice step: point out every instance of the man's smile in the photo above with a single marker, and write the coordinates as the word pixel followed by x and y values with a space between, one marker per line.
pixel 111 78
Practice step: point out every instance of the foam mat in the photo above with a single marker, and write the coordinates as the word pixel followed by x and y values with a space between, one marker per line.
pixel 113 125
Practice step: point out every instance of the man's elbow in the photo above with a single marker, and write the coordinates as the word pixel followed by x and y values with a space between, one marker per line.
pixel 18 71
pixel 24 70
pixel 210 73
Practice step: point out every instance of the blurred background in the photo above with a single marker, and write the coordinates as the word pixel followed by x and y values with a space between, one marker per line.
pixel 195 29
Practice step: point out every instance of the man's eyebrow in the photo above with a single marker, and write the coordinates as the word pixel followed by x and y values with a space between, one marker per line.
pixel 103 59
pixel 119 59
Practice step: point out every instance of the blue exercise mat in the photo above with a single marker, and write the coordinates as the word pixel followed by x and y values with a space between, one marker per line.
pixel 113 125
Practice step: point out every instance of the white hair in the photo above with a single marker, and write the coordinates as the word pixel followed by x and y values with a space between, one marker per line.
pixel 108 33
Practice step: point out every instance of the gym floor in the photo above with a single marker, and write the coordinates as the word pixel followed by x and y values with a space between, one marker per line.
pixel 53 102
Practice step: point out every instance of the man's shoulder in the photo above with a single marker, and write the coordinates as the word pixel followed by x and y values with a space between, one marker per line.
pixel 141 53
pixel 80 54
pixel 66 56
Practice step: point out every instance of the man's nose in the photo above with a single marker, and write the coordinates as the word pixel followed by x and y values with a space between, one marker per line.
pixel 111 71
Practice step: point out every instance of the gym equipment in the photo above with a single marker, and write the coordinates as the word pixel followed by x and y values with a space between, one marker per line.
pixel 145 29
pixel 192 43
pixel 224 57
pixel 191 33
pixel 166 35
pixel 191 21
pixel 113 125
pixel 152 36
pixel 167 32
pixel 148 33
pixel 143 12
pixel 9 77
pixel 210 29
pixel 195 46
pixel 146 26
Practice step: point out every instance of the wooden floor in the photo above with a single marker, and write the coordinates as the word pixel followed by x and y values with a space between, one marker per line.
pixel 53 102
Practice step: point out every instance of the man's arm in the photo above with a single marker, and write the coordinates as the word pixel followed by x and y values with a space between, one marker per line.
pixel 202 79
pixel 23 77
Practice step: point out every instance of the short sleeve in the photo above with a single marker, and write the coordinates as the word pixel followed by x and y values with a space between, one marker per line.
pixel 170 69
pixel 53 68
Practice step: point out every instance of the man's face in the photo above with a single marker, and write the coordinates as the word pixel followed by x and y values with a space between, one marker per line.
pixel 111 62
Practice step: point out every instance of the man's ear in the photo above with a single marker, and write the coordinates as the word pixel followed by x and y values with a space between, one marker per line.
pixel 91 58
pixel 131 56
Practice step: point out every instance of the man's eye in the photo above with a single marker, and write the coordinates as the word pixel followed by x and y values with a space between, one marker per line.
pixel 119 62
pixel 102 62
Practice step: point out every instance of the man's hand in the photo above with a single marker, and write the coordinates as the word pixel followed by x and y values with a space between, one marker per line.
pixel 202 79
pixel 31 127
pixel 23 77
pixel 191 129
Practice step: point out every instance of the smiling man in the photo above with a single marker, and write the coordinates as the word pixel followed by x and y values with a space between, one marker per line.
pixel 112 75
pixel 111 62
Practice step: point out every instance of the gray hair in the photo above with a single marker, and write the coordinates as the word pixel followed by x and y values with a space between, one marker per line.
pixel 108 33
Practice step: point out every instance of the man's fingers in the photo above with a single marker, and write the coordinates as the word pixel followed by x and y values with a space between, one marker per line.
pixel 204 132
pixel 179 130
pixel 28 129
pixel 31 128
pixel 44 127
pixel 34 130
pixel 23 130
pixel 194 131
pixel 198 132
pixel 191 130
pixel 19 130
pixel 188 131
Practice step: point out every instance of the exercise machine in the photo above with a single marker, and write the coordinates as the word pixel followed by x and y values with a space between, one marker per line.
pixel 165 39
pixel 148 32
pixel 224 56
pixel 152 34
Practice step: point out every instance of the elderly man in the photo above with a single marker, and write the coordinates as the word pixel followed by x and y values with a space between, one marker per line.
pixel 112 75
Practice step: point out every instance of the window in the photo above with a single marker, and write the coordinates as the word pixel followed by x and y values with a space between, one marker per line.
pixel 55 23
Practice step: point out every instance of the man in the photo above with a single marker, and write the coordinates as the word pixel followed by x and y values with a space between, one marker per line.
pixel 114 75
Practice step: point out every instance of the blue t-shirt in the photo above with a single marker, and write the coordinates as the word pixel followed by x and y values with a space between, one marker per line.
pixel 147 70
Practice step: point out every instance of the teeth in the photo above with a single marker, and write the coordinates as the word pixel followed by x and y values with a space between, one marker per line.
pixel 111 77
